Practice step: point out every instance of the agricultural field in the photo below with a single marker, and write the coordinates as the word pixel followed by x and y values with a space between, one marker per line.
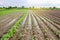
pixel 25 24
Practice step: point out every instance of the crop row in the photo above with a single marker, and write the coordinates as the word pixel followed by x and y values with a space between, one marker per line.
pixel 14 29
pixel 50 25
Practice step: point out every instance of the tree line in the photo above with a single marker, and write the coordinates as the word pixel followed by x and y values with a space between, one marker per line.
pixel 30 7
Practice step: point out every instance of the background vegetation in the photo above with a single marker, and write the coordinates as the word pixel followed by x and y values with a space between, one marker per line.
pixel 9 10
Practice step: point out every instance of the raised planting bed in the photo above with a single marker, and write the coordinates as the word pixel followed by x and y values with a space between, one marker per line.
pixel 14 29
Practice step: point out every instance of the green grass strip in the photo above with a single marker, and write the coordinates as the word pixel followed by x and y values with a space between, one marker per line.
pixel 10 11
pixel 14 29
